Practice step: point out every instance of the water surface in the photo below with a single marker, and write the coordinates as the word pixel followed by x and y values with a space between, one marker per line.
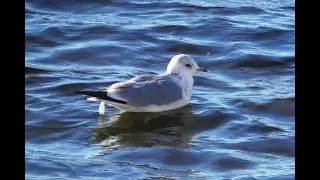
pixel 240 123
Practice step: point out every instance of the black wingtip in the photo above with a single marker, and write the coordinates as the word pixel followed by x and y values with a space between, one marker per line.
pixel 103 95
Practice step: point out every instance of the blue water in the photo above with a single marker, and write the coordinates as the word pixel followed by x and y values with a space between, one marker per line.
pixel 240 123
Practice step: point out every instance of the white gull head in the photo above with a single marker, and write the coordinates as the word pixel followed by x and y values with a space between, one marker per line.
pixel 184 65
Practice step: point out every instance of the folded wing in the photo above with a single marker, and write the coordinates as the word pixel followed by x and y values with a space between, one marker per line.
pixel 146 90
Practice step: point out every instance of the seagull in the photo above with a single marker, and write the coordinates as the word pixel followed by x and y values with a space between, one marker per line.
pixel 151 93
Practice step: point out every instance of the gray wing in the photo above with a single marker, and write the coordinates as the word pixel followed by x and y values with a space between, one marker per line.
pixel 147 90
pixel 133 81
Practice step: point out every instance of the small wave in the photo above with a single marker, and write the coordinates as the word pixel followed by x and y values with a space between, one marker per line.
pixel 57 130
pixel 80 30
pixel 250 10
pixel 188 48
pixel 54 31
pixel 253 61
pixel 225 20
pixel 189 7
pixel 34 11
pixel 245 128
pixel 169 28
pixel 68 5
pixel 134 35
pixel 40 41
pixel 277 146
pixel 259 127
pixel 49 165
pixel 283 106
pixel 34 70
pixel 288 8
pixel 227 162
pixel 98 29
pixel 260 35
pixel 74 33
pixel 221 10
pixel 204 81
pixel 70 87
pixel 213 119
pixel 262 61
pixel 86 55
pixel 270 33
pixel 183 159
pixel 41 79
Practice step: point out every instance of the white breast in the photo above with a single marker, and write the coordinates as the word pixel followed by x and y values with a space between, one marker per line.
pixel 186 83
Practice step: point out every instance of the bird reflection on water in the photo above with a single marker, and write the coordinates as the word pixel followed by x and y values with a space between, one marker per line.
pixel 171 128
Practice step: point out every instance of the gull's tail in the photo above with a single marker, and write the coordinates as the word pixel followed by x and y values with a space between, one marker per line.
pixel 99 95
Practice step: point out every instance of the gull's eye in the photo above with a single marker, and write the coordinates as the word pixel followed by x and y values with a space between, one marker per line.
pixel 188 65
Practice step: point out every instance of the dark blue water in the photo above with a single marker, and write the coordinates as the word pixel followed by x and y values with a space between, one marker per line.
pixel 240 123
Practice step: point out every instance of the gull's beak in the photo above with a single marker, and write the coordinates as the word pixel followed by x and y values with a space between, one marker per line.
pixel 202 69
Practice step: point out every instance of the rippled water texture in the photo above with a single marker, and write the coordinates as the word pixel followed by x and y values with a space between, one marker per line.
pixel 240 123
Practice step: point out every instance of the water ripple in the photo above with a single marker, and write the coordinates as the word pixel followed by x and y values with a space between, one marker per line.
pixel 238 125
